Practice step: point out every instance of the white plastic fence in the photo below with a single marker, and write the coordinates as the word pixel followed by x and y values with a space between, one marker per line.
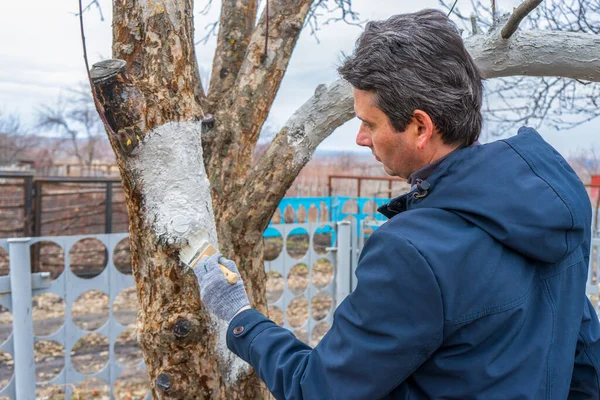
pixel 18 289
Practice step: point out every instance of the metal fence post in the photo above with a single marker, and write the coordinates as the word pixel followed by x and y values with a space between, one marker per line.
pixel 37 225
pixel 108 209
pixel 28 206
pixel 343 278
pixel 20 286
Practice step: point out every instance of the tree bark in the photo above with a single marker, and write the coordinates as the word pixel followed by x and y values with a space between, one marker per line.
pixel 156 39
pixel 245 108
pixel 168 201
pixel 237 24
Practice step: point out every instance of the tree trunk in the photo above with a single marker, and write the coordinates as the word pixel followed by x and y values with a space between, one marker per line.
pixel 153 106
pixel 168 200
pixel 151 97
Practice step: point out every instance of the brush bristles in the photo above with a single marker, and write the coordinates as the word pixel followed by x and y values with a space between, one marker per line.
pixel 192 254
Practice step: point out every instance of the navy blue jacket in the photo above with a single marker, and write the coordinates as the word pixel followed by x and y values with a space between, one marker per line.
pixel 474 289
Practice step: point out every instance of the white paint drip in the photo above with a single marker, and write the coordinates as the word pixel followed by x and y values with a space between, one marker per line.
pixel 177 202
pixel 236 367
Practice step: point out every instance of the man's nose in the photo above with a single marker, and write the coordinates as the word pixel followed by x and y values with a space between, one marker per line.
pixel 363 139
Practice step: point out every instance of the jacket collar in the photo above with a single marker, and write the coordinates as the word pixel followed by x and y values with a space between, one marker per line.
pixel 395 206
pixel 400 204
pixel 419 186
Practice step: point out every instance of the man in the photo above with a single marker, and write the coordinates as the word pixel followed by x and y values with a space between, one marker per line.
pixel 475 287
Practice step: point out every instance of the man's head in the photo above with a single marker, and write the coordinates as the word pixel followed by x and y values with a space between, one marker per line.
pixel 416 89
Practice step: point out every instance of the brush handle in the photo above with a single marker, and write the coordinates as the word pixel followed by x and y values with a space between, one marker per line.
pixel 230 276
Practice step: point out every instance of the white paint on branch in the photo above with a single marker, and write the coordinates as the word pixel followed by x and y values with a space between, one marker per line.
pixel 537 53
pixel 177 201
pixel 329 108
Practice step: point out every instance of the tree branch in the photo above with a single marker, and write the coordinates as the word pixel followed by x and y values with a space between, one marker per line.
pixel 242 113
pixel 533 53
pixel 92 3
pixel 537 53
pixel 260 76
pixel 293 147
pixel 235 28
pixel 517 16
pixel 346 14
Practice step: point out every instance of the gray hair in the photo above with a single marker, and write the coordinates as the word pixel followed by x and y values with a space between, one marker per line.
pixel 418 61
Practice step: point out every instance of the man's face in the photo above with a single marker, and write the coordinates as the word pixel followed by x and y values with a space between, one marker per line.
pixel 397 151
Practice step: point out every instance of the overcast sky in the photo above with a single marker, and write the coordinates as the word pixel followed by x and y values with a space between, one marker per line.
pixel 41 56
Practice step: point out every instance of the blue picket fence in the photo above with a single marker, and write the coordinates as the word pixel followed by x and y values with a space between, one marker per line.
pixel 328 209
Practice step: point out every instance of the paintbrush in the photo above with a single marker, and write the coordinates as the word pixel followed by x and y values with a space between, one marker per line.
pixel 191 254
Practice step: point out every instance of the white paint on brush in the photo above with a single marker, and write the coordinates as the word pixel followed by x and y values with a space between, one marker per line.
pixel 177 202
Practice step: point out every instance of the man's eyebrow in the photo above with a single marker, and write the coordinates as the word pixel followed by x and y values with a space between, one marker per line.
pixel 362 119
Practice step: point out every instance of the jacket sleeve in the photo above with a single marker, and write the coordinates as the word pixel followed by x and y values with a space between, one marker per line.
pixel 381 333
pixel 585 383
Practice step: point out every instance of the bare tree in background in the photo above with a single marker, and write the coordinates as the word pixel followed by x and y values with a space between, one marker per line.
pixel 163 124
pixel 555 101
pixel 14 139
pixel 75 118
pixel 19 144
pixel 586 162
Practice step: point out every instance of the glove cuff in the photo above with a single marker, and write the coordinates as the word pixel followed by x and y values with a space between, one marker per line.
pixel 235 300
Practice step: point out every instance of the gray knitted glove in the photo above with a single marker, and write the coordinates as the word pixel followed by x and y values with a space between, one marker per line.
pixel 220 297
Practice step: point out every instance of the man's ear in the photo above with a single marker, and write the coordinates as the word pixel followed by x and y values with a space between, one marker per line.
pixel 424 126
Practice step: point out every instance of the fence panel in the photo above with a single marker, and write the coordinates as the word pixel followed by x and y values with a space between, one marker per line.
pixel 74 337
pixel 7 336
pixel 16 205
pixel 306 282
pixel 310 269
pixel 303 276
pixel 20 287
